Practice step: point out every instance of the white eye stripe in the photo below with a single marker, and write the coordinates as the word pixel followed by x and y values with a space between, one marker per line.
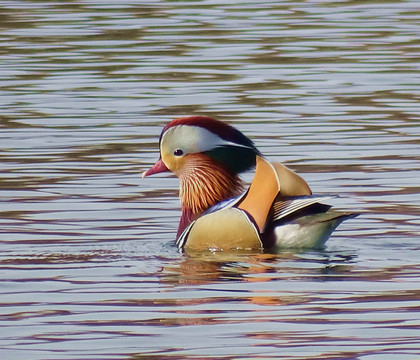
pixel 193 139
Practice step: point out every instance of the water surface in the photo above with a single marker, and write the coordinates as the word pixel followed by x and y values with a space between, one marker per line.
pixel 88 266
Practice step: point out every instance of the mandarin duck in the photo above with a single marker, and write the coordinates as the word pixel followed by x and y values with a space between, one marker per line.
pixel 278 209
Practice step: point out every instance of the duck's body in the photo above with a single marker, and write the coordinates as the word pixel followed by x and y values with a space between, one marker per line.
pixel 278 209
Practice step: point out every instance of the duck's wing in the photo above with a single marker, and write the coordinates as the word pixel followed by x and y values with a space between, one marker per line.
pixel 302 222
pixel 262 192
pixel 286 207
pixel 291 184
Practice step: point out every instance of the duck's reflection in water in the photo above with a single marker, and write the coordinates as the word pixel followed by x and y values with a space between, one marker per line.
pixel 209 267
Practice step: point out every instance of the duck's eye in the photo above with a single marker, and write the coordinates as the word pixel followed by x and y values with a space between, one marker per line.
pixel 178 152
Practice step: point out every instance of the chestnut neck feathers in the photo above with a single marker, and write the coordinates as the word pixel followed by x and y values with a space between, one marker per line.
pixel 204 183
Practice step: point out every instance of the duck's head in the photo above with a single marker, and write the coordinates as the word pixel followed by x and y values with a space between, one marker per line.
pixel 206 155
pixel 187 139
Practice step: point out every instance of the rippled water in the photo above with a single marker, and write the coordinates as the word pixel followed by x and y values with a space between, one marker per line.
pixel 88 266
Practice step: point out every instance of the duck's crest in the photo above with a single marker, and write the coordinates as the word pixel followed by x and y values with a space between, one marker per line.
pixel 221 129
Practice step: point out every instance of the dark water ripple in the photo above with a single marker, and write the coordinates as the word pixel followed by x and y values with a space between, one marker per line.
pixel 88 268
